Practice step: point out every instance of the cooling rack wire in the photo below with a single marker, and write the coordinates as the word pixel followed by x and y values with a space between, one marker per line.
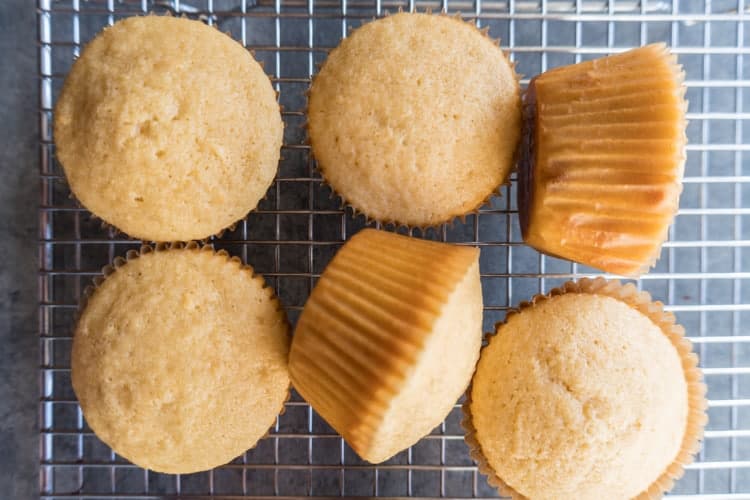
pixel 298 227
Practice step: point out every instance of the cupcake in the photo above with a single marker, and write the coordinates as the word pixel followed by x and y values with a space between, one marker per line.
pixel 590 392
pixel 388 339
pixel 603 156
pixel 180 359
pixel 167 129
pixel 415 118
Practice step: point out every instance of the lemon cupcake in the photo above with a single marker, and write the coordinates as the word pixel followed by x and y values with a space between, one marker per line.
pixel 415 119
pixel 590 392
pixel 602 165
pixel 388 339
pixel 167 129
pixel 180 359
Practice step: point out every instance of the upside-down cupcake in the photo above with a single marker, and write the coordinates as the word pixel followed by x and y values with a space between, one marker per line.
pixel 602 161
pixel 388 339
pixel 415 118
pixel 589 392
pixel 167 129
pixel 180 359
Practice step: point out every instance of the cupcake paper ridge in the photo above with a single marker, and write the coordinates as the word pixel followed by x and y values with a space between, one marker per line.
pixel 195 246
pixel 602 138
pixel 366 325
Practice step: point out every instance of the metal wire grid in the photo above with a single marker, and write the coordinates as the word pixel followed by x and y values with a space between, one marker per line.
pixel 298 227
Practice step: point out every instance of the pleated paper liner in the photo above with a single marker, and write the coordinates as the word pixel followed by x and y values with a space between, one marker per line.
pixel 654 310
pixel 192 246
pixel 347 203
pixel 364 330
pixel 602 159
pixel 144 236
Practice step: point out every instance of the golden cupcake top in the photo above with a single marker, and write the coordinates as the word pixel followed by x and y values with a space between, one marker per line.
pixel 588 394
pixel 415 119
pixel 167 129
pixel 602 166
pixel 180 359
pixel 388 339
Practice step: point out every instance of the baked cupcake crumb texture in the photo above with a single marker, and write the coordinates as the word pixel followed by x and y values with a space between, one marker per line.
pixel 179 358
pixel 421 143
pixel 167 129
pixel 568 400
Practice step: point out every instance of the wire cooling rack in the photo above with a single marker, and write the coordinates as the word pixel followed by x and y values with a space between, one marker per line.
pixel 298 227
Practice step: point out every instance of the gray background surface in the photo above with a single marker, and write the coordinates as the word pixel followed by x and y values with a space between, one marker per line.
pixel 19 198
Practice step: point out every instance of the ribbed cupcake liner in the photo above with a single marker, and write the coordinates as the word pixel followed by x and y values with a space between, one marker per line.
pixel 366 323
pixel 346 204
pixel 192 246
pixel 603 148
pixel 654 310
